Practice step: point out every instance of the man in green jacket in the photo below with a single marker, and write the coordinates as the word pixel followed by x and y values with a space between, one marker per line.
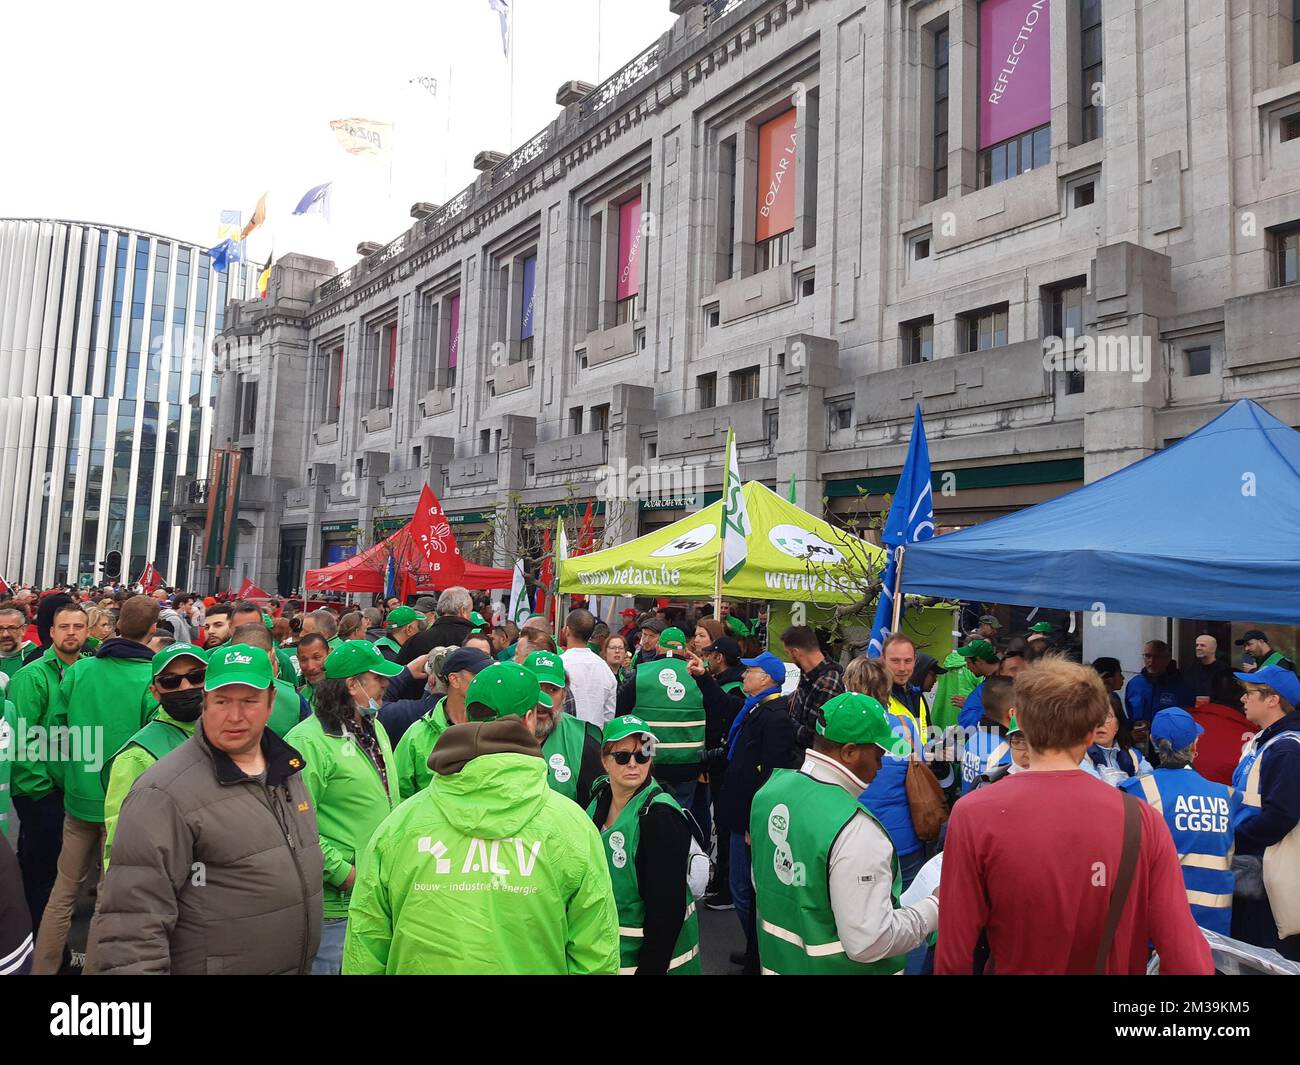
pixel 13 648
pixel 312 651
pixel 98 709
pixel 38 803
pixel 487 870
pixel 350 773
pixel 570 746
pixel 412 754
pixel 246 613
pixel 402 623
pixel 288 707
pixel 8 748
pixel 176 697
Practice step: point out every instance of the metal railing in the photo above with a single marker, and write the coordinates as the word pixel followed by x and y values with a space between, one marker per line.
pixel 196 492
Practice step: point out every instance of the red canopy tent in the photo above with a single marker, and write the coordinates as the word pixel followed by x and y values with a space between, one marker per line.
pixel 366 570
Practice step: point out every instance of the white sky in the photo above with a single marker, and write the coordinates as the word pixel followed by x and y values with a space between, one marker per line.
pixel 157 116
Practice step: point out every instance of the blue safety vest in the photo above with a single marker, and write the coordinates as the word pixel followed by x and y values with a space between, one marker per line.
pixel 886 795
pixel 985 749
pixel 1245 778
pixel 1197 812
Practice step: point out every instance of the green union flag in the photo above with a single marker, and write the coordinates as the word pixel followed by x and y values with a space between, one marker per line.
pixel 735 518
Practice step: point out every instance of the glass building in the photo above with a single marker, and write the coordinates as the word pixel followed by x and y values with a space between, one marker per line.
pixel 106 394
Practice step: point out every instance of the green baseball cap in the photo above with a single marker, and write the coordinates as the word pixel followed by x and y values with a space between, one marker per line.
pixel 237 663
pixel 619 728
pixel 851 717
pixel 479 621
pixel 1041 626
pixel 402 615
pixel 673 639
pixel 508 690
pixel 548 668
pixel 981 649
pixel 170 653
pixel 737 626
pixel 351 658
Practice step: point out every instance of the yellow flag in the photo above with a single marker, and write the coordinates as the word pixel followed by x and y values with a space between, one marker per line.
pixel 264 281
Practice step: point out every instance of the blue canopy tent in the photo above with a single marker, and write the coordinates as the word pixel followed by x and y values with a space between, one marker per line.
pixel 1207 528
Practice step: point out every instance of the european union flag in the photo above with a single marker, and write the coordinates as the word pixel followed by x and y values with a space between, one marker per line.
pixel 911 519
pixel 225 253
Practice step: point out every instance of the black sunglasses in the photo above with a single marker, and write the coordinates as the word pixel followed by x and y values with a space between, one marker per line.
pixel 623 757
pixel 171 681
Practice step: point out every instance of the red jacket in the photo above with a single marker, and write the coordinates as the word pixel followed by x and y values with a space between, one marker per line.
pixel 1226 732
pixel 1031 859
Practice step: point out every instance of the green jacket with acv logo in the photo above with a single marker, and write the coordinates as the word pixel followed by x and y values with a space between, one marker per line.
pixel 349 797
pixel 485 871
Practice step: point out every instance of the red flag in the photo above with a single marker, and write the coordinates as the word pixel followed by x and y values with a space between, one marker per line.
pixel 150 579
pixel 249 590
pixel 547 573
pixel 587 534
pixel 434 551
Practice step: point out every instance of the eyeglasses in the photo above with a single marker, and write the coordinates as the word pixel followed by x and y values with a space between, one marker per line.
pixel 1018 742
pixel 171 681
pixel 623 757
pixel 12 628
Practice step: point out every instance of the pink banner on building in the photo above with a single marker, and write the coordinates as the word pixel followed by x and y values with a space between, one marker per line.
pixel 629 248
pixel 777 144
pixel 453 335
pixel 1015 68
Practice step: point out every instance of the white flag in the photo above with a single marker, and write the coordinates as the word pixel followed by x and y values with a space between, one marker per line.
pixel 502 8
pixel 561 541
pixel 363 136
pixel 520 607
pixel 735 518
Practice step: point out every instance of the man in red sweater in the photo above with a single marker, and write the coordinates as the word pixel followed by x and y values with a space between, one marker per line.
pixel 1032 861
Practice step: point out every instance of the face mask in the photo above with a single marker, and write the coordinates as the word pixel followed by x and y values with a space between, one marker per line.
pixel 184 705
pixel 370 710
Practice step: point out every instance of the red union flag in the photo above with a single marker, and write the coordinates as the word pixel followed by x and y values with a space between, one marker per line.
pixel 150 579
pixel 430 531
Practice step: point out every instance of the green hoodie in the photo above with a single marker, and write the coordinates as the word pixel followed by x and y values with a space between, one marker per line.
pixel 8 741
pixel 32 690
pixel 485 871
pixel 130 762
pixel 958 681
pixel 349 797
pixel 102 700
pixel 414 748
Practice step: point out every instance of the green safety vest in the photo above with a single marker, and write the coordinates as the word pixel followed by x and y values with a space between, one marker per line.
pixel 286 710
pixel 793 825
pixel 620 841
pixel 670 703
pixel 159 738
pixel 562 750
pixel 732 686
pixel 391 644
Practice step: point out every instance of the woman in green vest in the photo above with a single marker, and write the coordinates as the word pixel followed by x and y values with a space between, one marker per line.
pixel 647 843
pixel 349 770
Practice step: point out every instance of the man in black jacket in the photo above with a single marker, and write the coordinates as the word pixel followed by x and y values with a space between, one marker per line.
pixel 449 629
pixel 820 679
pixel 722 688
pixel 762 738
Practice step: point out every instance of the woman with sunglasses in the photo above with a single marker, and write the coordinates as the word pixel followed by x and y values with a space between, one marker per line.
pixel 350 772
pixel 647 842
pixel 172 705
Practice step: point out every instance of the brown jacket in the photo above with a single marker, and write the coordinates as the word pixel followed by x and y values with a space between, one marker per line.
pixel 213 871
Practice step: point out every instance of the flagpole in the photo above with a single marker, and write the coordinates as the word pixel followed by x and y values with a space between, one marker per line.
pixel 898 588
pixel 717 574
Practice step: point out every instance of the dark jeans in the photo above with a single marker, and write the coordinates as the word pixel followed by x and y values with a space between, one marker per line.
pixel 721 874
pixel 40 838
pixel 742 889
pixel 908 866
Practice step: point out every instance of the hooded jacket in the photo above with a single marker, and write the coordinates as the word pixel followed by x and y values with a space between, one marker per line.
pixel 448 630
pixel 33 690
pixel 487 870
pixel 102 699
pixel 45 610
pixel 213 871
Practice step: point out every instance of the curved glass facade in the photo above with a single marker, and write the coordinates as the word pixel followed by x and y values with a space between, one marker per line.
pixel 106 394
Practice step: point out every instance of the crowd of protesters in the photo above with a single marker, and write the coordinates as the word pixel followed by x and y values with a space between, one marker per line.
pixel 258 787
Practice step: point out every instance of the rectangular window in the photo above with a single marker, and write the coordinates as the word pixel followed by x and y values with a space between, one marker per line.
pixel 1285 247
pixel 726 254
pixel 940 150
pixel 1198 362
pixel 575 421
pixel 1063 308
pixel 1016 156
pixel 1291 124
pixel 385 364
pixel 983 329
pixel 1074 382
pixel 247 397
pixel 1295 31
pixel 1015 69
pixel 600 418
pixel 774 252
pixel 918 341
pixel 706 391
pixel 1090 63
pixel 630 240
pixel 841 416
pixel 744 385
pixel 332 375
pixel 1085 193
pixel 484 441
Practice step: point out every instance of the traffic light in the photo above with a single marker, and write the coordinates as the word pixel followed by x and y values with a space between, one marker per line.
pixel 112 565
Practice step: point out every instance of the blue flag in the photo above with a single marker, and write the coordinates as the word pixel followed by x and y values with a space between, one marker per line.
pixel 911 519
pixel 316 199
pixel 390 578
pixel 225 253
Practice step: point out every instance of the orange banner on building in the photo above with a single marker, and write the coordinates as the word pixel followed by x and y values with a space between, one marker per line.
pixel 777 141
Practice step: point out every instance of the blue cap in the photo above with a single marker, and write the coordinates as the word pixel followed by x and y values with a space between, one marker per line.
pixel 1279 678
pixel 769 664
pixel 1177 726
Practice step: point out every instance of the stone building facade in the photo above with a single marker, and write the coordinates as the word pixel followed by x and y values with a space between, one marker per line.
pixel 1148 214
